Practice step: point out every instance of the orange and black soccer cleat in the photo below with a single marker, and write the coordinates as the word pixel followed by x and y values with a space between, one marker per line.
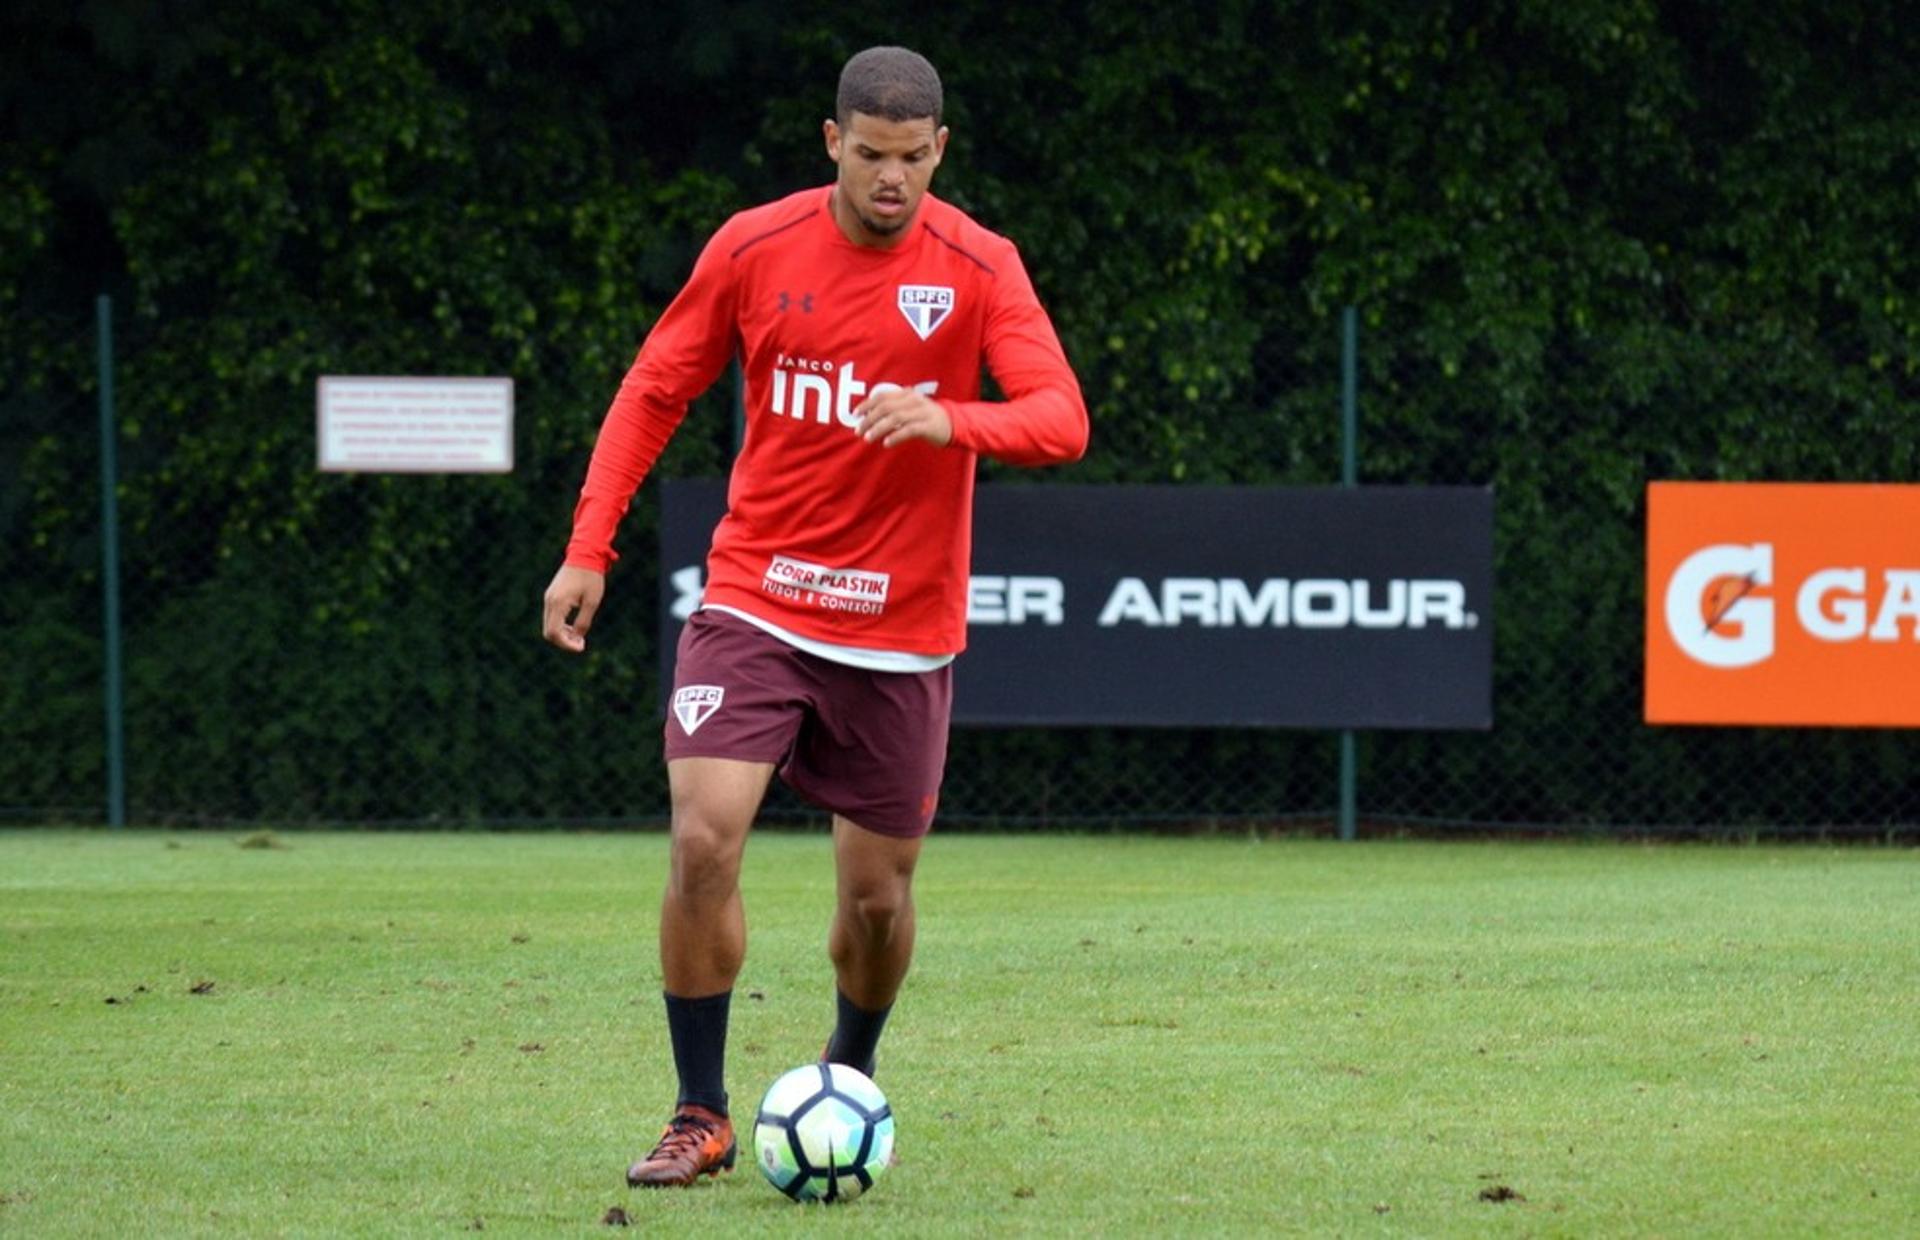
pixel 696 1142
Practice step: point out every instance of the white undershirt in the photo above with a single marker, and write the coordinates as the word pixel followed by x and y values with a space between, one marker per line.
pixel 852 656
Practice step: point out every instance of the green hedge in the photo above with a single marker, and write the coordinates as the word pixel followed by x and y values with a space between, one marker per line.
pixel 1592 244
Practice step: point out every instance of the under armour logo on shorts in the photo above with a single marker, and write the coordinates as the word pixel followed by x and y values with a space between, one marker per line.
pixel 693 705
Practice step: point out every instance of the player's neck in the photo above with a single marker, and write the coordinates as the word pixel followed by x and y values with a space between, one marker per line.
pixel 855 230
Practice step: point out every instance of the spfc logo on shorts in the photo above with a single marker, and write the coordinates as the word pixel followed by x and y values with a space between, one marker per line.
pixel 693 705
pixel 926 306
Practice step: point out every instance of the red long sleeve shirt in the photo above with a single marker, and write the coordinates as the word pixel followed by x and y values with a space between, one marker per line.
pixel 827 536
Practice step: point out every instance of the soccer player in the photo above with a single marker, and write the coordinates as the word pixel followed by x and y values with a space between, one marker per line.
pixel 862 313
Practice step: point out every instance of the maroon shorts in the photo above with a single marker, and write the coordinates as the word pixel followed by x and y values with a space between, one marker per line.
pixel 869 746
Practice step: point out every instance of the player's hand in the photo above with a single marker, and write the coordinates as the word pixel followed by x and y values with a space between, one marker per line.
pixel 572 598
pixel 893 417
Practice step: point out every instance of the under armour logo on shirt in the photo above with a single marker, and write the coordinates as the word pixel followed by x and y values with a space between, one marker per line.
pixel 788 301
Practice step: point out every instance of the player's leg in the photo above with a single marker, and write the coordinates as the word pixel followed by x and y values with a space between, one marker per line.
pixel 703 940
pixel 871 939
pixel 732 718
pixel 874 754
pixel 703 929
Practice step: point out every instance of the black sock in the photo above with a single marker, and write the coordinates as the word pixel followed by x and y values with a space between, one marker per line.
pixel 856 1034
pixel 698 1028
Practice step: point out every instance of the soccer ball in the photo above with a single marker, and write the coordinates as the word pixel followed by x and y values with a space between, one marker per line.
pixel 824 1133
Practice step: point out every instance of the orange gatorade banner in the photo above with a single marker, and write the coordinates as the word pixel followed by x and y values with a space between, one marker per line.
pixel 1783 604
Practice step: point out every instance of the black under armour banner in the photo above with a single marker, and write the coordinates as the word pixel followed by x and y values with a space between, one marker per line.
pixel 1312 607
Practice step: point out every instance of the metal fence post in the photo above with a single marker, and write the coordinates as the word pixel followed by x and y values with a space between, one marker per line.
pixel 110 573
pixel 1349 476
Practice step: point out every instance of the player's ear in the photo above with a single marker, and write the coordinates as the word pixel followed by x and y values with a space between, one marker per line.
pixel 939 145
pixel 830 130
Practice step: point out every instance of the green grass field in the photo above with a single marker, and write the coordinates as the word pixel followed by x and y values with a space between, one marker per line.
pixel 398 1034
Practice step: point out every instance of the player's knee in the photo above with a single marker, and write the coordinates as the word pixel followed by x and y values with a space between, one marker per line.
pixel 706 858
pixel 875 914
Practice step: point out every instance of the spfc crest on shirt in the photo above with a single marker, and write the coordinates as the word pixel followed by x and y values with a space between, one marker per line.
pixel 926 306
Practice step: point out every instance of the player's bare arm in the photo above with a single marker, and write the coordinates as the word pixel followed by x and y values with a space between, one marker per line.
pixel 572 597
pixel 894 417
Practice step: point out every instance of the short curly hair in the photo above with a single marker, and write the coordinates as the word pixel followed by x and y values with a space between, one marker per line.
pixel 892 83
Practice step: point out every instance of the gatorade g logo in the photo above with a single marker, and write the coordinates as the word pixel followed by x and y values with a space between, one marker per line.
pixel 1712 613
pixel 1784 604
pixel 1716 617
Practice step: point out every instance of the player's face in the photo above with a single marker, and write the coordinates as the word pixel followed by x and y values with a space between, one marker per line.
pixel 885 168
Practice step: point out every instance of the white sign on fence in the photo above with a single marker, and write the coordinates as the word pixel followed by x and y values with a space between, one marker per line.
pixel 374 424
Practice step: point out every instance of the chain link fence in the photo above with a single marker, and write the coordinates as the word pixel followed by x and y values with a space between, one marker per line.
pixel 303 649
